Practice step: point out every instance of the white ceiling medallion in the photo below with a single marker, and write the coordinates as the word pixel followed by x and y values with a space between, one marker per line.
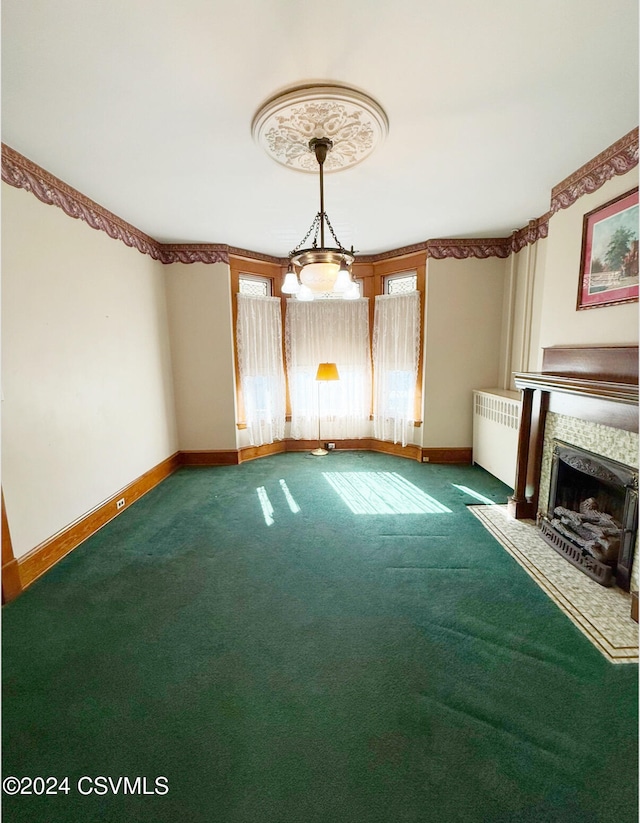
pixel 352 120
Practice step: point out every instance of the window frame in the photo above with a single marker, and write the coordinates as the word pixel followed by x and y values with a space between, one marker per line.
pixel 372 277
pixel 257 270
pixel 389 278
pixel 376 286
pixel 256 278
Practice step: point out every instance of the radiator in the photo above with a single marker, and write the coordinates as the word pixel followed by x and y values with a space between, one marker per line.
pixel 496 420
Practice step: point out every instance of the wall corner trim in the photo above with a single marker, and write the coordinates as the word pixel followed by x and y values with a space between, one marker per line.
pixel 11 585
pixel 535 230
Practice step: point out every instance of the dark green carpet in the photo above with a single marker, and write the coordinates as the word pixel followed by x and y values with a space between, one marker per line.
pixel 329 667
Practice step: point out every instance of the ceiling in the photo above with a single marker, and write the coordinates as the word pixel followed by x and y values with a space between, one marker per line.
pixel 145 106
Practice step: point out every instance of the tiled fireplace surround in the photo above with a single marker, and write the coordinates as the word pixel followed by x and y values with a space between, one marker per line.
pixel 604 441
pixel 584 396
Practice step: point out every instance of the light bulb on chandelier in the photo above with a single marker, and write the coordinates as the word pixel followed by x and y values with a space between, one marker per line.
pixel 291 284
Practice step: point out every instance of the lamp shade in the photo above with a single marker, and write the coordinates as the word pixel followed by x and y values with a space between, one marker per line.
pixel 327 371
pixel 290 285
pixel 352 292
pixel 319 277
pixel 343 281
pixel 304 293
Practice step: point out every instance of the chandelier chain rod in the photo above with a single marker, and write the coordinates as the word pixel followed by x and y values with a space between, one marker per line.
pixel 314 225
pixel 333 234
pixel 322 214
pixel 320 146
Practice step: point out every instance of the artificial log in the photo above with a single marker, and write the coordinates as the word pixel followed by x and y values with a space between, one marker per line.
pixel 596 532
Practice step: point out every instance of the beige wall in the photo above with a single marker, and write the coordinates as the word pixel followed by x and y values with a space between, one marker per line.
pixel 86 372
pixel 541 290
pixel 522 312
pixel 559 321
pixel 199 303
pixel 463 332
pixel 97 339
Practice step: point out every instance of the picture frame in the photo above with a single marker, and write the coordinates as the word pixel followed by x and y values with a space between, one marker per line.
pixel 609 258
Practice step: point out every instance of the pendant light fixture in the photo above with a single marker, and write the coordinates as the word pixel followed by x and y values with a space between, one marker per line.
pixel 320 125
pixel 322 269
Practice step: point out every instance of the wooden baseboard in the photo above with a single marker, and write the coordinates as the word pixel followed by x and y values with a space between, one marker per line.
pixel 232 458
pixel 253 452
pixel 19 574
pixel 410 451
pixel 11 586
pixel 211 457
pixel 447 455
pixel 39 560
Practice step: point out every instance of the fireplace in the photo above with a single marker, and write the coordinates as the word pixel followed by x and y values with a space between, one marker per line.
pixel 592 513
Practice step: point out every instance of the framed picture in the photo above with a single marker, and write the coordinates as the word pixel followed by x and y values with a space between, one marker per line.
pixel 609 261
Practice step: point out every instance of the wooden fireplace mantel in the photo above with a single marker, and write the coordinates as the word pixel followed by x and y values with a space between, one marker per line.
pixel 598 384
pixel 599 389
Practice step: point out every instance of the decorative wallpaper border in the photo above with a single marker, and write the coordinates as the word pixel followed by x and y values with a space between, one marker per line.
pixel 463 248
pixel 415 248
pixel 21 173
pixel 459 248
pixel 531 233
pixel 204 253
pixel 618 159
pixel 210 253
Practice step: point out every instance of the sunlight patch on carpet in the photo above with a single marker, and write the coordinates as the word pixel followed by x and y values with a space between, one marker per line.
pixel 295 508
pixel 474 494
pixel 265 503
pixel 382 493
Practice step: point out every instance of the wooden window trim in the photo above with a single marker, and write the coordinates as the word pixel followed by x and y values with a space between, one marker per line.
pixel 401 265
pixel 270 271
pixel 372 276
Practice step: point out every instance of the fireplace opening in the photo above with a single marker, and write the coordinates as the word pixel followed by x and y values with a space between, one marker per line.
pixel 592 513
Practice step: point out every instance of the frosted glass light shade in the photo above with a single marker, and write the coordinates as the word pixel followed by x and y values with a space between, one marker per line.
pixel 304 293
pixel 319 277
pixel 290 285
pixel 352 292
pixel 343 280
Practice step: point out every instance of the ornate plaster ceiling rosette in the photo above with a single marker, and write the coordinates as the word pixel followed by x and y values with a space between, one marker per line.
pixel 352 120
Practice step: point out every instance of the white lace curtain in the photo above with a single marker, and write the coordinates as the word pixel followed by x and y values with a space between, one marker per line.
pixel 328 331
pixel 396 348
pixel 259 340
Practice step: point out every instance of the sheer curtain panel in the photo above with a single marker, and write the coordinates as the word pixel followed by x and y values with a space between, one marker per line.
pixel 259 340
pixel 329 331
pixel 396 348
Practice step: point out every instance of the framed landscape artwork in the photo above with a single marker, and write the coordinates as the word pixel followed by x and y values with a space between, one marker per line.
pixel 609 262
